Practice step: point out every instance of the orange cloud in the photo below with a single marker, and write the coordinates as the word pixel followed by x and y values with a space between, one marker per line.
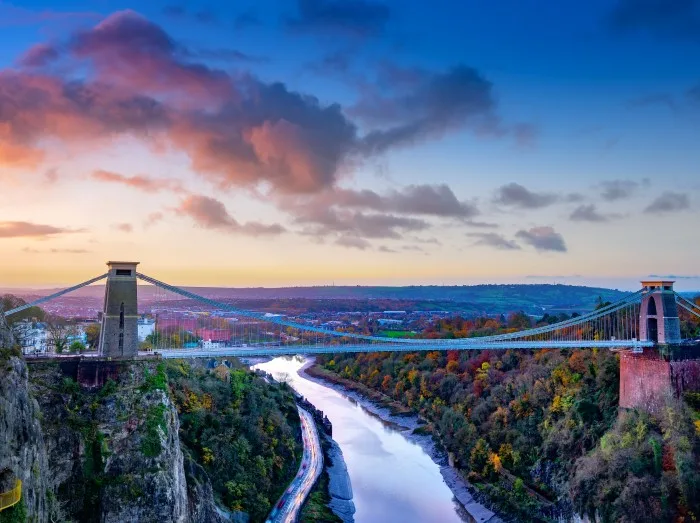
pixel 143 183
pixel 27 229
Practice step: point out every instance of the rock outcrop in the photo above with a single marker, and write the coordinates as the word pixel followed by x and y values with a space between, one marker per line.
pixel 22 452
pixel 114 453
pixel 6 337
pixel 339 486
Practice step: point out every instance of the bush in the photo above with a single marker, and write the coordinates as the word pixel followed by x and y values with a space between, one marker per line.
pixel 14 514
pixel 154 424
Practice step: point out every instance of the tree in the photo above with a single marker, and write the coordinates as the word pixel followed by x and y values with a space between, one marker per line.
pixel 58 337
pixel 77 347
pixel 92 332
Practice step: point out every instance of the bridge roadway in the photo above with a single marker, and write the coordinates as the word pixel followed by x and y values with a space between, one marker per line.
pixel 472 344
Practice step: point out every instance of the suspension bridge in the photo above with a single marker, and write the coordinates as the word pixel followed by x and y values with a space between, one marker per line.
pixel 215 328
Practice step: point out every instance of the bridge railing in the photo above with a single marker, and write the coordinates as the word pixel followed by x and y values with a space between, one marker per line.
pixel 534 334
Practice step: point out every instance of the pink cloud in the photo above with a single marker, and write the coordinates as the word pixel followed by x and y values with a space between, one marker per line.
pixel 27 229
pixel 143 183
pixel 210 213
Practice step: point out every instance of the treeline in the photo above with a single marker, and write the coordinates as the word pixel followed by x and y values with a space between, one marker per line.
pixel 243 430
pixel 538 431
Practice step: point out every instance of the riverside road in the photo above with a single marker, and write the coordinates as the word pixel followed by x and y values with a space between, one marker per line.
pixel 290 503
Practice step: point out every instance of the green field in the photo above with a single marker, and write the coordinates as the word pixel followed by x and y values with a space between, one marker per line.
pixel 397 334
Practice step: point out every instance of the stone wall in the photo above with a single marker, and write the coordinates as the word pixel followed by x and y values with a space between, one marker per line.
pixel 647 379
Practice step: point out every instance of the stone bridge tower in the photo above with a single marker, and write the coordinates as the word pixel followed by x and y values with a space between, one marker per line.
pixel 649 377
pixel 119 335
pixel 658 317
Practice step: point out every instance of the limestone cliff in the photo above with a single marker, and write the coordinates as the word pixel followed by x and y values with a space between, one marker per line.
pixel 114 453
pixel 22 453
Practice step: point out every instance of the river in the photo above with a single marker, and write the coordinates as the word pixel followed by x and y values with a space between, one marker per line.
pixel 393 479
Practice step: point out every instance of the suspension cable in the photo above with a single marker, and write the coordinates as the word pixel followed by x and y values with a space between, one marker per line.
pixel 54 296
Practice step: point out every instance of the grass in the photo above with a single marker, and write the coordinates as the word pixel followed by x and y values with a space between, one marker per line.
pixel 397 334
pixel 315 509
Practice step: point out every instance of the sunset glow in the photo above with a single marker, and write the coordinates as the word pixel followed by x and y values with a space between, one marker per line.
pixel 276 145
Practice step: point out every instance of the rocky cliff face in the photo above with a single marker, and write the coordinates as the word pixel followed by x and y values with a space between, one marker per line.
pixel 22 452
pixel 6 337
pixel 114 453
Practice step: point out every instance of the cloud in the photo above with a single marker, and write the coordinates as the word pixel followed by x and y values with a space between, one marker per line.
pixel 51 175
pixel 590 213
pixel 236 131
pixel 223 54
pixel 353 17
pixel 615 190
pixel 26 229
pixel 202 16
pixel 491 239
pixel 322 222
pixel 668 202
pixel 412 105
pixel 210 213
pixel 543 239
pixel 552 277
pixel 694 93
pixel 515 195
pixel 11 15
pixel 337 62
pixel 246 19
pixel 675 276
pixel 123 227
pixel 55 251
pixel 667 19
pixel 127 78
pixel 430 200
pixel 140 182
pixel 650 100
pixel 153 218
pixel 353 242
pixel 526 134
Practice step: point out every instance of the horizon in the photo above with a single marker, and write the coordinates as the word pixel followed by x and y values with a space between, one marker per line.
pixel 592 285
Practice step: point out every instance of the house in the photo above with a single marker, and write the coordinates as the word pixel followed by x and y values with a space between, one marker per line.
pixel 146 327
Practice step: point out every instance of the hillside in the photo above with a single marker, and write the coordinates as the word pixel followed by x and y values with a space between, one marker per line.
pixel 477 299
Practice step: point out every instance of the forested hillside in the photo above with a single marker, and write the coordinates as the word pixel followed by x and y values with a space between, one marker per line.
pixel 538 431
pixel 241 429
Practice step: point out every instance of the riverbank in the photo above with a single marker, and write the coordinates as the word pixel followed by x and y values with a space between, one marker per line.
pixel 337 493
pixel 339 486
pixel 406 422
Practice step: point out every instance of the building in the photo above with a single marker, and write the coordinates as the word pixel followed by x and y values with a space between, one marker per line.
pixel 145 327
pixel 32 336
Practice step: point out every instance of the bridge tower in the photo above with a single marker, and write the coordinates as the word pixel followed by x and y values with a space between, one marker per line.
pixel 649 377
pixel 119 334
pixel 658 317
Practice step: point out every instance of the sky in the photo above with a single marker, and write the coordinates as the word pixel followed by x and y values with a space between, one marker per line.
pixel 353 142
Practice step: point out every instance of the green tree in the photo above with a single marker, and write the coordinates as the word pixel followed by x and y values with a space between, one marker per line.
pixel 77 347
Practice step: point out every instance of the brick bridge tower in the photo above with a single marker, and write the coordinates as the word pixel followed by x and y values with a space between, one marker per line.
pixel 669 369
pixel 119 334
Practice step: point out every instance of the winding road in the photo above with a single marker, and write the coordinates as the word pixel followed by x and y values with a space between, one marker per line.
pixel 290 503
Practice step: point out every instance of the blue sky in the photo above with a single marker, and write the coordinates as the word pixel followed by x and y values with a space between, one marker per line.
pixel 362 141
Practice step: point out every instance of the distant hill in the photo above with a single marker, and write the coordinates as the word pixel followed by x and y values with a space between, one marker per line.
pixel 489 299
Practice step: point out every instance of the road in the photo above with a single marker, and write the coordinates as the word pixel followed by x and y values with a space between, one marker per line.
pixel 289 505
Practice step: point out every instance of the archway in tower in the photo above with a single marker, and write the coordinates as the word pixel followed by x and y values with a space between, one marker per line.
pixel 652 330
